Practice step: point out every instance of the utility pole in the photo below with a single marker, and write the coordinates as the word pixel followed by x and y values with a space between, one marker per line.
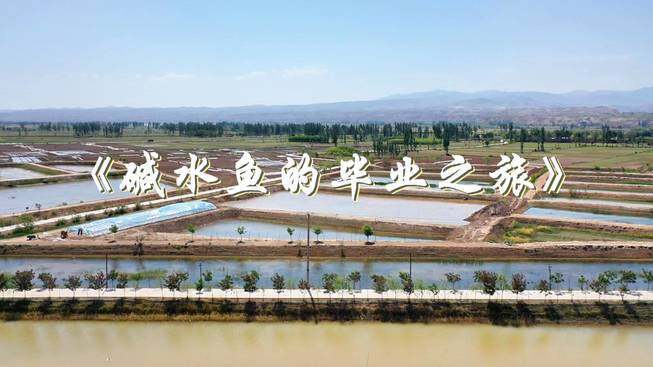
pixel 410 266
pixel 308 247
pixel 106 271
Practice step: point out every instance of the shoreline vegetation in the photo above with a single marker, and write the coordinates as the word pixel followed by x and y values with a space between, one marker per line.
pixel 494 298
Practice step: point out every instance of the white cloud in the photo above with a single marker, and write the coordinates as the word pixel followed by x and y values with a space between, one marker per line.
pixel 290 73
pixel 172 76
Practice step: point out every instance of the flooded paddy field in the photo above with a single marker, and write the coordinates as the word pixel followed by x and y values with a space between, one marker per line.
pixel 16 173
pixel 370 206
pixel 558 213
pixel 295 269
pixel 267 230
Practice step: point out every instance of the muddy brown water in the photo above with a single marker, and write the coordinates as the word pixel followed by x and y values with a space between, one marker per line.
pixel 84 343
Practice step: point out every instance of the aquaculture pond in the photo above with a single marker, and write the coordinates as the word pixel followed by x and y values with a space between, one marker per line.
pixel 295 269
pixel 23 198
pixel 173 344
pixel 268 230
pixel 617 190
pixel 81 168
pixel 370 206
pixel 433 184
pixel 626 204
pixel 557 213
pixel 16 173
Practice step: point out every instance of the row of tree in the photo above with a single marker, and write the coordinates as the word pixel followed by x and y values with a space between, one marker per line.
pixel 367 231
pixel 111 129
pixel 386 136
pixel 490 282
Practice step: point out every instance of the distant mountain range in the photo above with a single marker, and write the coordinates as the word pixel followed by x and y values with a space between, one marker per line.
pixel 422 106
pixel 635 100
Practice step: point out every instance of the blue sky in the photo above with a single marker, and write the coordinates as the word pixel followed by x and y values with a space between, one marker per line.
pixel 213 53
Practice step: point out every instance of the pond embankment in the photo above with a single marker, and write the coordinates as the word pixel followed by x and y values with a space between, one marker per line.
pixel 181 245
pixel 252 310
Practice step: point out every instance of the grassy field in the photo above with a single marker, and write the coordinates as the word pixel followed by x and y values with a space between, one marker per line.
pixel 522 233
pixel 163 141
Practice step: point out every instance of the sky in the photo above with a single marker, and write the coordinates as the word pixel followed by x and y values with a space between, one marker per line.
pixel 219 53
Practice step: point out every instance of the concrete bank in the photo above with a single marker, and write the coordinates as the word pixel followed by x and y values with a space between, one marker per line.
pixel 320 295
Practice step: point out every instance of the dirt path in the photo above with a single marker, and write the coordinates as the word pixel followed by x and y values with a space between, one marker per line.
pixel 183 245
pixel 482 222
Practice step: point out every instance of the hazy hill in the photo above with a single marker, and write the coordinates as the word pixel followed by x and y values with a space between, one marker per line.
pixel 490 105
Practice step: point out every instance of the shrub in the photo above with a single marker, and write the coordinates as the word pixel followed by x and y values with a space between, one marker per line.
pixel 249 281
pixel 226 283
pixel 329 282
pixel 23 280
pixel 488 280
pixel 301 138
pixel 380 283
pixel 341 152
pixel 278 282
pixel 406 282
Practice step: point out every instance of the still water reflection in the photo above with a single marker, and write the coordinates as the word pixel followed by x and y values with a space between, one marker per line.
pixel 226 228
pixel 295 269
pixel 22 198
pixel 382 207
